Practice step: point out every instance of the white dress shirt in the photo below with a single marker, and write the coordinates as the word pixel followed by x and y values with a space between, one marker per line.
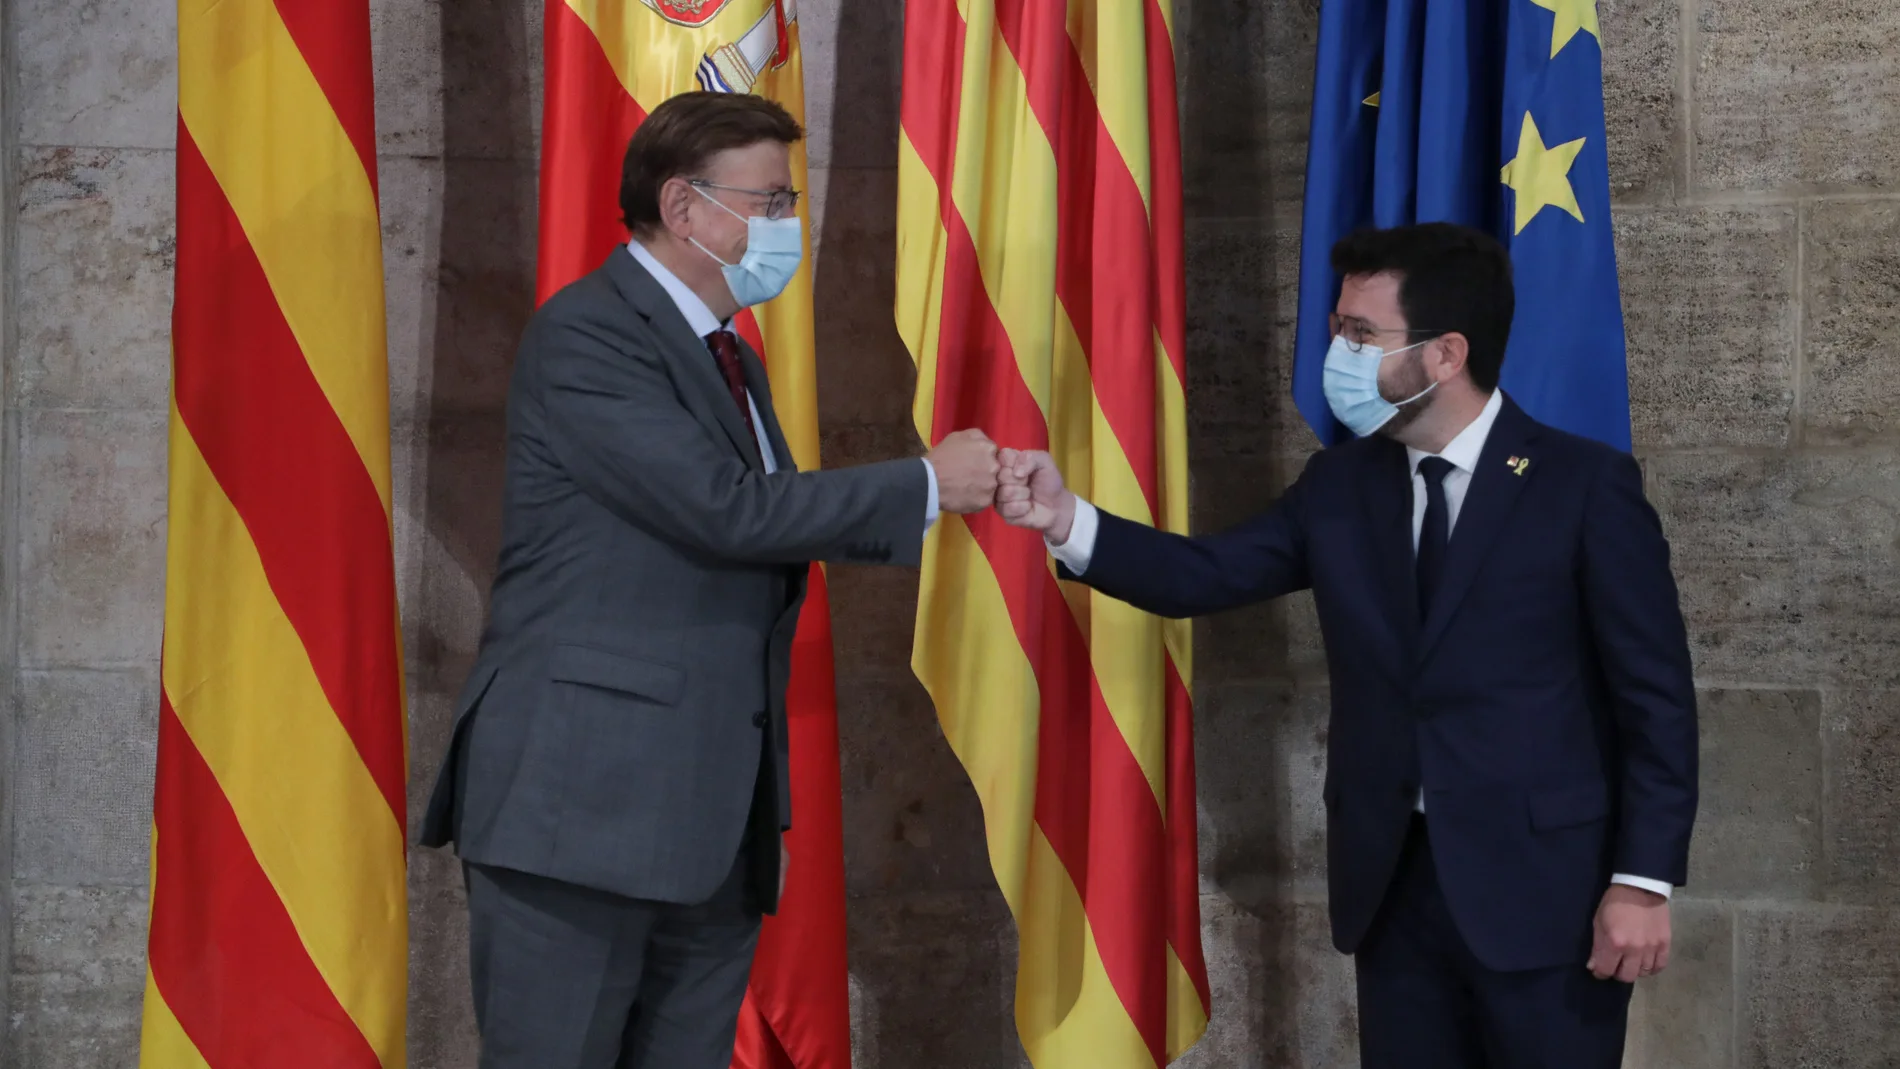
pixel 703 323
pixel 1462 452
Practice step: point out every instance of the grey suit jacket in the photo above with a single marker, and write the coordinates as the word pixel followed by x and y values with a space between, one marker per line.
pixel 632 674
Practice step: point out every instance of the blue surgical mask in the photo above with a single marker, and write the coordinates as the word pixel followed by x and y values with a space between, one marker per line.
pixel 773 250
pixel 1351 381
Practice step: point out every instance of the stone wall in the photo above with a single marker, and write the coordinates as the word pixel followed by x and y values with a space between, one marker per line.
pixel 1755 146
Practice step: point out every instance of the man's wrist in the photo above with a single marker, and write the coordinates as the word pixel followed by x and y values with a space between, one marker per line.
pixel 1064 526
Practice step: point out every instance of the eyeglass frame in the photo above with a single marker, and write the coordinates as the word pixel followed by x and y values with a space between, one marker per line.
pixel 1372 330
pixel 770 196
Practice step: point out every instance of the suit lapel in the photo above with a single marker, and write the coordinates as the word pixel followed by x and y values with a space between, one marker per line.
pixel 694 369
pixel 760 385
pixel 1388 503
pixel 1495 488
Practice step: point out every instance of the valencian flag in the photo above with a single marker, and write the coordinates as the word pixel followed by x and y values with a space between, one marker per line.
pixel 609 63
pixel 278 904
pixel 1487 113
pixel 1040 290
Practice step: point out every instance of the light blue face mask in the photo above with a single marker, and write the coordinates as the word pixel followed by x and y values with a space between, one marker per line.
pixel 1351 381
pixel 773 250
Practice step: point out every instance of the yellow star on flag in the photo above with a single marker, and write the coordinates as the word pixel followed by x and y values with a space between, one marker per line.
pixel 1541 175
pixel 1372 100
pixel 1572 16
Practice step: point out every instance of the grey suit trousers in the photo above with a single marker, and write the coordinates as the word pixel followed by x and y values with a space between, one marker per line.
pixel 567 977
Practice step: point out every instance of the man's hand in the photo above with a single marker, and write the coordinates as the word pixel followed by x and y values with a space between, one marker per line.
pixel 966 467
pixel 1632 935
pixel 1030 494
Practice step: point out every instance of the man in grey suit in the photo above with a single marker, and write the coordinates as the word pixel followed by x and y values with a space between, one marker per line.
pixel 616 783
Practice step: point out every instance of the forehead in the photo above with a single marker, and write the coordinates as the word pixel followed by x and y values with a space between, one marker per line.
pixel 1374 298
pixel 760 165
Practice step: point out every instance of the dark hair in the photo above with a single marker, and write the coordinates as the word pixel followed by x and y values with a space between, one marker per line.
pixel 1452 280
pixel 682 134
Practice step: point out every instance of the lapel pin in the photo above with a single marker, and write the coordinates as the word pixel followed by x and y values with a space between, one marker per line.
pixel 1518 464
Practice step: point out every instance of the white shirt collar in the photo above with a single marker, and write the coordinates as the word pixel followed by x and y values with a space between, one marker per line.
pixel 699 317
pixel 1465 449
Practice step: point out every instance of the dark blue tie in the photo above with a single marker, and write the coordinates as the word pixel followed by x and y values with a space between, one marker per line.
pixel 1435 535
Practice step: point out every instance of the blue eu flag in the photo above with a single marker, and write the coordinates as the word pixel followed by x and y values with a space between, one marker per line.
pixel 1487 113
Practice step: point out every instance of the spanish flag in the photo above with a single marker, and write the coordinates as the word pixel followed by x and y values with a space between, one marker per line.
pixel 279 920
pixel 1040 290
pixel 609 63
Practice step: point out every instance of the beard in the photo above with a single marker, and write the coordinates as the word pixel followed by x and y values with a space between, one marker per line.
pixel 1410 381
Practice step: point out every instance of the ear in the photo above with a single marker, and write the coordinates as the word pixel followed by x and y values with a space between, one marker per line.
pixel 676 202
pixel 1448 353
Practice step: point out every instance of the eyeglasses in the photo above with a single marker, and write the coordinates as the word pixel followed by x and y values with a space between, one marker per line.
pixel 779 203
pixel 1358 333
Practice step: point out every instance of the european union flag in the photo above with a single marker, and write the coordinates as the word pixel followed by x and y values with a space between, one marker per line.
pixel 1487 113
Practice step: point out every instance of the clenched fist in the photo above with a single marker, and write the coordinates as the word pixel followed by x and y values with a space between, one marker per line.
pixel 1030 494
pixel 965 462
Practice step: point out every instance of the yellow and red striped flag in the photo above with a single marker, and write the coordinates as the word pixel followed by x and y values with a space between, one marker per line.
pixel 610 63
pixel 1040 289
pixel 279 917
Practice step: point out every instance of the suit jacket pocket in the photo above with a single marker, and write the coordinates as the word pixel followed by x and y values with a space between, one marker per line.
pixel 1569 807
pixel 590 667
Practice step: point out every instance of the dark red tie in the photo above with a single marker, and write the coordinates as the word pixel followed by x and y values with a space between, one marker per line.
pixel 725 350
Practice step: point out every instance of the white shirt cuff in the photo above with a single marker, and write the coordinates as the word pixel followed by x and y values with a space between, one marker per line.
pixel 1643 883
pixel 931 509
pixel 1076 553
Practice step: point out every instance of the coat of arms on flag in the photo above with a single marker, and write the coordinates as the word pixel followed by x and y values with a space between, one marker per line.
pixel 736 67
pixel 694 13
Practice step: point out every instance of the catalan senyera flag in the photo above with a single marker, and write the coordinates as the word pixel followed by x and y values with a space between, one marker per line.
pixel 1040 289
pixel 279 918
pixel 610 63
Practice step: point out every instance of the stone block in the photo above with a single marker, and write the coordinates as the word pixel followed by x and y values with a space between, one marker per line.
pixel 1785 563
pixel 865 373
pixel 441 1013
pixel 78 977
pixel 932 976
pixel 1248 100
pixel 95 253
pixel 1861 810
pixel 1849 394
pixel 1260 766
pixel 460 80
pixel 447 485
pixel 86 746
pixel 873 617
pixel 102 74
pixel 911 818
pixel 431 715
pixel 1283 998
pixel 91 537
pixel 1818 988
pixel 1685 1018
pixel 1795 96
pixel 1712 337
pixel 1758 825
pixel 458 256
pixel 1243 303
pixel 853 52
pixel 1642 40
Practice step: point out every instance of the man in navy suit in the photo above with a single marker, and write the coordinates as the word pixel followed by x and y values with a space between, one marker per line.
pixel 1511 766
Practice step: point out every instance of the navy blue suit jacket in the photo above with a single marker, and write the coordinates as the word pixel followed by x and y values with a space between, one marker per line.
pixel 1546 706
